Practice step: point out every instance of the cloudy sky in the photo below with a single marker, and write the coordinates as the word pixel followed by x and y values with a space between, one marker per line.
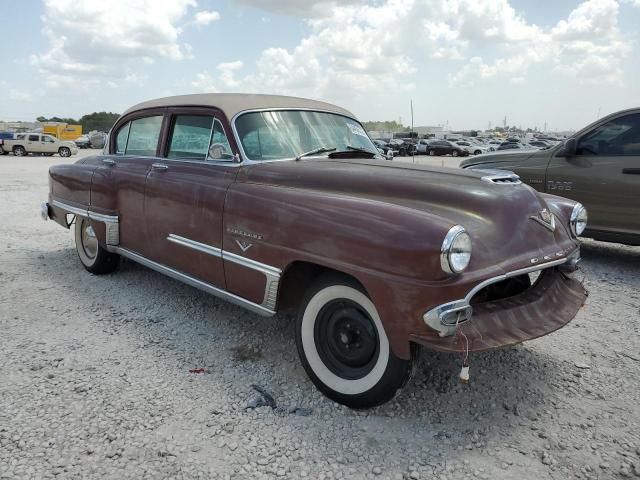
pixel 463 62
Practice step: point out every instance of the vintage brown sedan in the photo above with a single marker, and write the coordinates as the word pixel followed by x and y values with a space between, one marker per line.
pixel 277 202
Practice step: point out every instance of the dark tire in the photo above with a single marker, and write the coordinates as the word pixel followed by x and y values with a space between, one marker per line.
pixel 343 346
pixel 455 153
pixel 432 153
pixel 64 152
pixel 19 151
pixel 477 152
pixel 93 257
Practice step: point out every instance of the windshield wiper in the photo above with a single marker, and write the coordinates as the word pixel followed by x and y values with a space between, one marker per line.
pixel 314 151
pixel 360 150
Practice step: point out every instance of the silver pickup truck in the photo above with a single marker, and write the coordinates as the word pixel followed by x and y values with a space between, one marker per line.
pixel 25 143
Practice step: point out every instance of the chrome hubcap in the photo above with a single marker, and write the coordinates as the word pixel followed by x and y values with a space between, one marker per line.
pixel 89 240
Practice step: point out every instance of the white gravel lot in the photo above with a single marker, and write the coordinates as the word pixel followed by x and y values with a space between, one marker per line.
pixel 95 382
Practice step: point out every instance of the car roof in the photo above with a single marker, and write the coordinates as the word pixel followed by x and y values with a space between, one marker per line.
pixel 233 103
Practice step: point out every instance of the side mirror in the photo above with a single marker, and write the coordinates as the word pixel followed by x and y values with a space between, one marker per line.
pixel 569 148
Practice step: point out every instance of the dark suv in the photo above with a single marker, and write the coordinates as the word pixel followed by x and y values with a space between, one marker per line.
pixel 599 167
pixel 444 147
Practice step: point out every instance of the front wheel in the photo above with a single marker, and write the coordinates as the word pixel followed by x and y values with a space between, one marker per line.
pixel 477 152
pixel 454 153
pixel 94 258
pixel 432 153
pixel 64 152
pixel 343 346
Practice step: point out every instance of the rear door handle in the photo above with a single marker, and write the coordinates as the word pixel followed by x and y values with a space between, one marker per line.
pixel 108 162
pixel 159 166
pixel 631 171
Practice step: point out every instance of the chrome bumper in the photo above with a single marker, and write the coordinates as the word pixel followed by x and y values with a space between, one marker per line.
pixel 445 318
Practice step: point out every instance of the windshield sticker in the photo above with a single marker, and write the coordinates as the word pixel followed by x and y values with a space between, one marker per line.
pixel 356 129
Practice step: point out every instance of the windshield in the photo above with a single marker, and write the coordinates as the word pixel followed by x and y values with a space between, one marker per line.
pixel 285 134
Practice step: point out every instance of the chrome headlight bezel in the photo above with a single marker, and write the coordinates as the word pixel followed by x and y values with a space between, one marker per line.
pixel 579 220
pixel 454 244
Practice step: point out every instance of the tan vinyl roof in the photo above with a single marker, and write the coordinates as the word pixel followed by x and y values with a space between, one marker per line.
pixel 233 103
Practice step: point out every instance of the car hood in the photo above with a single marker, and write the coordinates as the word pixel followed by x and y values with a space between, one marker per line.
pixel 504 156
pixel 497 215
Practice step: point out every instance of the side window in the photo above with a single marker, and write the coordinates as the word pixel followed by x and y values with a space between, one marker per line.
pixel 190 137
pixel 617 137
pixel 143 136
pixel 48 139
pixel 198 137
pixel 121 138
pixel 34 138
pixel 219 148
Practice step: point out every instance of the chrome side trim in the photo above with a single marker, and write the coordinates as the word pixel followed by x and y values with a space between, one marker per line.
pixel 436 318
pixel 112 225
pixel 247 262
pixel 201 247
pixel 254 307
pixel 71 209
pixel 272 274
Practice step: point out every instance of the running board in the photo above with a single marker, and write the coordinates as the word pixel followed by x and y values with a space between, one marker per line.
pixel 170 272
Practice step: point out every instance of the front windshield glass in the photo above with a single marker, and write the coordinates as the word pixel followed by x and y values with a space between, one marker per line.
pixel 282 134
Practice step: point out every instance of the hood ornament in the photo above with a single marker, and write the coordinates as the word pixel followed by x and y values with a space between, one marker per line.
pixel 545 218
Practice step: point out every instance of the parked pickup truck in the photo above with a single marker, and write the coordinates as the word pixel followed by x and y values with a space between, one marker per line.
pixel 25 143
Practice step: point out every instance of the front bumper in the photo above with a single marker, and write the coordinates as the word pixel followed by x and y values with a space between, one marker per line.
pixel 549 304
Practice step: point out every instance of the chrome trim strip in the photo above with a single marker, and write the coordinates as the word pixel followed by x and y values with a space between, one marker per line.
pixel 254 307
pixel 201 247
pixel 272 274
pixel 70 209
pixel 434 317
pixel 102 218
pixel 247 262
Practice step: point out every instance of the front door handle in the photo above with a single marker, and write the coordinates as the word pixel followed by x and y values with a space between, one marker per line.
pixel 631 171
pixel 159 166
pixel 108 162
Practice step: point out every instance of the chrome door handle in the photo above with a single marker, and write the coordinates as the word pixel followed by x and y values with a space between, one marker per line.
pixel 108 162
pixel 159 166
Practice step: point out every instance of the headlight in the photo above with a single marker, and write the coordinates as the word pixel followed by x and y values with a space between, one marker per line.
pixel 455 253
pixel 578 219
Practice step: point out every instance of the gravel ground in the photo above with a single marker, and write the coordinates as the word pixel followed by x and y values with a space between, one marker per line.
pixel 95 380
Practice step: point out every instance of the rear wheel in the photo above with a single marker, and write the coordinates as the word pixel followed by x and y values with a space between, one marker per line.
pixel 64 151
pixel 19 151
pixel 343 346
pixel 94 258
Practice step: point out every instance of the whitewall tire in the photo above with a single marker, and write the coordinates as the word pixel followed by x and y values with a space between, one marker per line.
pixel 92 256
pixel 343 345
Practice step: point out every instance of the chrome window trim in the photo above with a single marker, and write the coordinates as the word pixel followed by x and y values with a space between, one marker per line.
pixel 433 318
pixel 194 282
pixel 206 160
pixel 245 160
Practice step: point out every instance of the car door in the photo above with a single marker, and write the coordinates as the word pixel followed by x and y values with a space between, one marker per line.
pixel 118 183
pixel 185 194
pixel 33 144
pixel 603 175
pixel 48 144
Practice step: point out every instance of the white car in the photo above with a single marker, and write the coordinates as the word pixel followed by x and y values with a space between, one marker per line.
pixel 473 148
pixel 25 143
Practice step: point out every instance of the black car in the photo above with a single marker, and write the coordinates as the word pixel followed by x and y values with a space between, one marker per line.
pixel 444 147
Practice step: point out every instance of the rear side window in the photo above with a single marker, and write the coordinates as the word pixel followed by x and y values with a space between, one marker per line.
pixel 34 138
pixel 143 136
pixel 121 139
pixel 198 137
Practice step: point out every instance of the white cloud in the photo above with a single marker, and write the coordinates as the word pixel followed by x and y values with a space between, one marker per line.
pixel 94 38
pixel 205 17
pixel 300 8
pixel 20 95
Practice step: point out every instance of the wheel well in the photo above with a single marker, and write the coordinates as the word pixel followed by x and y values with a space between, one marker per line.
pixel 298 277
